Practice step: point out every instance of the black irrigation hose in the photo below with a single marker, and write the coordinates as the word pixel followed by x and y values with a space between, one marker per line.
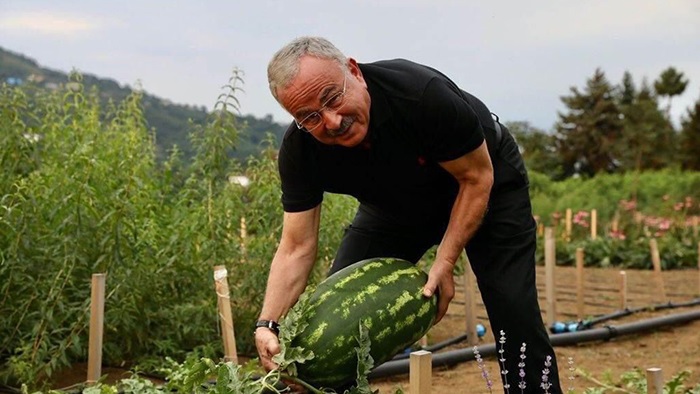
pixel 451 357
pixel 582 325
pixel 586 324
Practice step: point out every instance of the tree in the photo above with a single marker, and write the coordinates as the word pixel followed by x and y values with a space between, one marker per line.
pixel 670 83
pixel 627 91
pixel 538 149
pixel 690 139
pixel 647 136
pixel 587 135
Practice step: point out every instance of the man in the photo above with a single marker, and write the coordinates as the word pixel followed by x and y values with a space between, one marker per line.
pixel 429 166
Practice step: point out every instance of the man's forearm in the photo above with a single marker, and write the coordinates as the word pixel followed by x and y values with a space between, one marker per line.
pixel 287 280
pixel 466 217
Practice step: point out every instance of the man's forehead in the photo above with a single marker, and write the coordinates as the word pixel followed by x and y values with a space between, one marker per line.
pixel 311 67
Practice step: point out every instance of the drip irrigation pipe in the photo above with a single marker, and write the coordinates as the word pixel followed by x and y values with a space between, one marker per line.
pixel 586 324
pixel 581 325
pixel 451 357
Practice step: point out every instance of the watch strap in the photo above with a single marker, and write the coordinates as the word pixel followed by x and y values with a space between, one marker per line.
pixel 270 324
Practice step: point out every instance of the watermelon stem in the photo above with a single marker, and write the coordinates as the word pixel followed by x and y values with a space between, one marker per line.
pixel 300 382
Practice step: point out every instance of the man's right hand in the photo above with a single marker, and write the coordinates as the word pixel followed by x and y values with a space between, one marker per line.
pixel 268 345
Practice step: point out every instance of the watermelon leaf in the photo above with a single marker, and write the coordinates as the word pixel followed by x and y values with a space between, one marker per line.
pixel 293 323
pixel 365 362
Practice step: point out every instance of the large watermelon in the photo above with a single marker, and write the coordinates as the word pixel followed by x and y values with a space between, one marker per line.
pixel 385 293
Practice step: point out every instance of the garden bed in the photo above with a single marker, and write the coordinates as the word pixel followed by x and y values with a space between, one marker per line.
pixel 673 349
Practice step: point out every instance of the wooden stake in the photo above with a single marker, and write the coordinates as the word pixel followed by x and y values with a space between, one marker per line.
pixel 615 222
pixel 97 314
pixel 655 381
pixel 698 269
pixel 244 235
pixel 549 263
pixel 225 315
pixel 568 224
pixel 580 305
pixel 696 223
pixel 656 261
pixel 540 229
pixel 594 223
pixel 470 303
pixel 623 290
pixel 420 370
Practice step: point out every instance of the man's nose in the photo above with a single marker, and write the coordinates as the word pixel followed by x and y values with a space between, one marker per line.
pixel 331 119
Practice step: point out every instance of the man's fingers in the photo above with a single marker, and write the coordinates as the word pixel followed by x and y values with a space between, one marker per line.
pixel 443 304
pixel 429 289
pixel 268 345
pixel 268 364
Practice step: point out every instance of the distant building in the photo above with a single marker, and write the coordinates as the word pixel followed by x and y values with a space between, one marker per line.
pixel 239 180
pixel 35 78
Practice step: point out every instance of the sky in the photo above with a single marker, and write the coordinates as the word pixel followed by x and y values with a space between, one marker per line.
pixel 519 57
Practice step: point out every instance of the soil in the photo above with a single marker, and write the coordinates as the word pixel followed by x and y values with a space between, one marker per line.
pixel 672 348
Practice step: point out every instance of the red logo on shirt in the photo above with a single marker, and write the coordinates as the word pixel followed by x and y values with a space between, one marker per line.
pixel 421 161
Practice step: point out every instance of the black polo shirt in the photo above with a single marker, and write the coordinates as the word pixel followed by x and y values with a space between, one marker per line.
pixel 418 117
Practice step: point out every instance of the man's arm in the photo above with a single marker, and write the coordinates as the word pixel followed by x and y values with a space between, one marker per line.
pixel 474 173
pixel 289 273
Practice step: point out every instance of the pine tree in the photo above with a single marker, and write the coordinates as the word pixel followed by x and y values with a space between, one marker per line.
pixel 587 136
pixel 670 83
pixel 628 92
pixel 648 137
pixel 690 139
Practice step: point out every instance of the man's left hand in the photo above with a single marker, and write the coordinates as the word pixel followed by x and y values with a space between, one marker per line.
pixel 440 278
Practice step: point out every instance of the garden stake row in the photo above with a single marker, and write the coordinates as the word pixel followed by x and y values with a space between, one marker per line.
pixel 97 315
pixel 225 316
pixel 550 286
pixel 614 224
pixel 569 224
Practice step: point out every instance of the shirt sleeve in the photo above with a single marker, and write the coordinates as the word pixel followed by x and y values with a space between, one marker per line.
pixel 451 127
pixel 298 171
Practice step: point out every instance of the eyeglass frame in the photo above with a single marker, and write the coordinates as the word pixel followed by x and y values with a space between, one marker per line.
pixel 324 107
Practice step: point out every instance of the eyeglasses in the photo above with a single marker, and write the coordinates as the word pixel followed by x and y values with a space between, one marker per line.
pixel 315 119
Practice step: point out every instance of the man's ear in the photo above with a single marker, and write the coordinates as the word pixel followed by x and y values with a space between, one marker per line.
pixel 355 71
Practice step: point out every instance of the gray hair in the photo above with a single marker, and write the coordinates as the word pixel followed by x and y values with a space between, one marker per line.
pixel 284 65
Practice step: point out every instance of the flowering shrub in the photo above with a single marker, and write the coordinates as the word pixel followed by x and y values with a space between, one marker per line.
pixel 623 240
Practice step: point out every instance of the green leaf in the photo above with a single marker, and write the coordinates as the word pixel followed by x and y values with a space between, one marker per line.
pixel 293 324
pixel 365 362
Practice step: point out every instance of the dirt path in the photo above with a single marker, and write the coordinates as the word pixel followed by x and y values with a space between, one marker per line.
pixel 673 349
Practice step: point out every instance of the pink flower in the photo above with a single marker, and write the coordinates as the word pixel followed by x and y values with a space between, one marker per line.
pixel 617 235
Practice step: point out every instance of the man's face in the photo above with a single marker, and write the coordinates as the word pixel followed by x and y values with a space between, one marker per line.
pixel 337 98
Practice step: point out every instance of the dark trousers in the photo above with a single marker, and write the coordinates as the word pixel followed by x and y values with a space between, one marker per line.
pixel 502 256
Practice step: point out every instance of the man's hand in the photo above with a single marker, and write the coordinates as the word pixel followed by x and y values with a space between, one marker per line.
pixel 268 345
pixel 441 278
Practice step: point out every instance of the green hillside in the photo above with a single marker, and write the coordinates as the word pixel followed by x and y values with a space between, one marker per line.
pixel 170 121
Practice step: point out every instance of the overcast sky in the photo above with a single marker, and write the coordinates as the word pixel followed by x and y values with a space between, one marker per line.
pixel 517 56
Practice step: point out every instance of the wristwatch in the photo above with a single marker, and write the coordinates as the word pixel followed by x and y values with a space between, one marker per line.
pixel 271 324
